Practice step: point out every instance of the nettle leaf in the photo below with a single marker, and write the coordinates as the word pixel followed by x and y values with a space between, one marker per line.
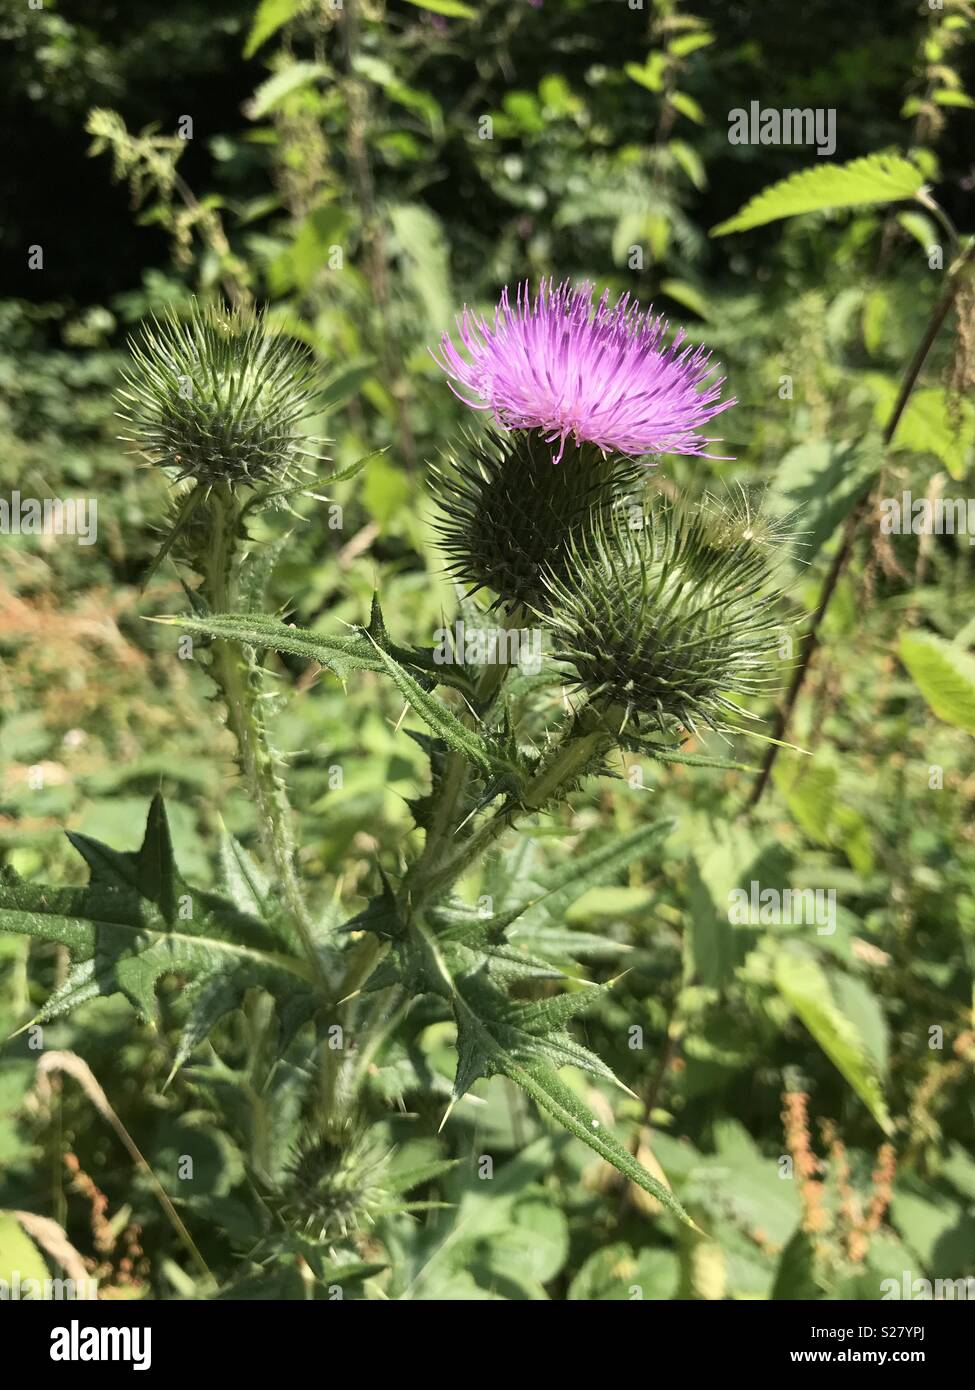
pixel 878 178
pixel 452 8
pixel 137 921
pixel 944 674
pixel 270 17
pixel 822 482
pixel 282 84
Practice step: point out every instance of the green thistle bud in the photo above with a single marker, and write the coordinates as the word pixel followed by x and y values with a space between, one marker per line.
pixel 334 1185
pixel 669 620
pixel 508 514
pixel 219 398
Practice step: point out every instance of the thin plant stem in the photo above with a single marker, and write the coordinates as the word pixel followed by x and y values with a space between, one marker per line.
pixel 851 529
pixel 571 757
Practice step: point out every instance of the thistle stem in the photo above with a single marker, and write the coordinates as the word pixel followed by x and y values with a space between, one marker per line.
pixel 571 757
pixel 443 821
pixel 232 674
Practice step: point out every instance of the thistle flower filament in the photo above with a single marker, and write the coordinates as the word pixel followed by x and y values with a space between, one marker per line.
pixel 587 372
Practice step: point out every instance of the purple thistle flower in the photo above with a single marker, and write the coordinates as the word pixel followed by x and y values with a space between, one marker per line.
pixel 606 376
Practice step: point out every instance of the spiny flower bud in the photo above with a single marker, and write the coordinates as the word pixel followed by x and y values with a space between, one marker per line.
pixel 667 620
pixel 334 1184
pixel 508 515
pixel 219 397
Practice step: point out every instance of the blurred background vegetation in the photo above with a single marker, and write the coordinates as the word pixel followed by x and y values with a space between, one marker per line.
pixel 366 170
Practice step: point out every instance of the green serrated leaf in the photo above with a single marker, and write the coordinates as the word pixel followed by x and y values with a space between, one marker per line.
pixel 20 1259
pixel 553 1096
pixel 526 1042
pixel 674 755
pixel 796 1275
pixel 805 986
pixel 877 178
pixel 568 883
pixel 290 79
pixel 687 295
pixel 338 653
pixel 406 1179
pixel 245 882
pixel 441 719
pixel 453 9
pixel 271 16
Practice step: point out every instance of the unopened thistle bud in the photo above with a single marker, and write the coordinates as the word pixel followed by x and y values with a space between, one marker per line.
pixel 669 621
pixel 334 1184
pixel 219 397
pixel 508 517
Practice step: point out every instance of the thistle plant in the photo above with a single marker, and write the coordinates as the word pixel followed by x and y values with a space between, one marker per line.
pixel 659 618
pixel 507 518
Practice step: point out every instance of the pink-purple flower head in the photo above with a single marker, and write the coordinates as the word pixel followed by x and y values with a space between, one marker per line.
pixel 557 364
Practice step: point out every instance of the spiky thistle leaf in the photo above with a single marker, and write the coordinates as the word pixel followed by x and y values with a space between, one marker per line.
pixel 137 921
pixel 468 962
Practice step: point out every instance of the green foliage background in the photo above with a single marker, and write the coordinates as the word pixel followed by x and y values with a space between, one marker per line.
pixel 338 171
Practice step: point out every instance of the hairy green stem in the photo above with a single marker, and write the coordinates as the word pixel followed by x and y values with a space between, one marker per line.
pixel 569 760
pixel 445 858
pixel 443 821
pixel 233 676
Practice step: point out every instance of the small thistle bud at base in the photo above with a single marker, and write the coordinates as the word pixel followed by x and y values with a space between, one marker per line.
pixel 508 514
pixel 219 398
pixel 334 1184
